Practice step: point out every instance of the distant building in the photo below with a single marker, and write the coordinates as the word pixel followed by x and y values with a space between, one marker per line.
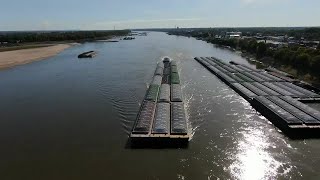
pixel 291 38
pixel 260 38
pixel 233 35
pixel 277 38
pixel 247 37
pixel 276 44
pixel 312 44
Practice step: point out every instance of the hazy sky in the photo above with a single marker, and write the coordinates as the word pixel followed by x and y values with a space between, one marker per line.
pixel 105 14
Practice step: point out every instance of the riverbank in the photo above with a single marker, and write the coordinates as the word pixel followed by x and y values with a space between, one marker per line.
pixel 24 46
pixel 301 63
pixel 24 56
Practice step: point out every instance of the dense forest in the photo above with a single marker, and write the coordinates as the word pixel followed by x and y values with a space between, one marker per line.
pixel 26 37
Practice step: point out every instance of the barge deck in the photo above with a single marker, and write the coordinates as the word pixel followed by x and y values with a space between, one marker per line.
pixel 162 119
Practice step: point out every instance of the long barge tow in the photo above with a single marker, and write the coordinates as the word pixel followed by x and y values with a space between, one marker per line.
pixel 277 98
pixel 161 120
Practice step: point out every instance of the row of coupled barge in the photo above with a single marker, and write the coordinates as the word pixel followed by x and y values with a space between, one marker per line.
pixel 275 97
pixel 162 119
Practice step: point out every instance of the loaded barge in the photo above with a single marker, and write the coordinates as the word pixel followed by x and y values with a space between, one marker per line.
pixel 275 97
pixel 161 120
pixel 89 54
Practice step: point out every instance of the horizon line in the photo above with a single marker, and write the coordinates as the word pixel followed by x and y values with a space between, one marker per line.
pixel 155 28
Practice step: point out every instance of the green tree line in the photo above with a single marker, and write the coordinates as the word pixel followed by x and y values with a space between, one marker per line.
pixel 305 60
pixel 23 37
pixel 312 33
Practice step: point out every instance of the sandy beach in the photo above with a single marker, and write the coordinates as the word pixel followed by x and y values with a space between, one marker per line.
pixel 24 56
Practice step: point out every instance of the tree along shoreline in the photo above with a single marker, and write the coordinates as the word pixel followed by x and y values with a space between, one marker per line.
pixel 301 62
pixel 10 39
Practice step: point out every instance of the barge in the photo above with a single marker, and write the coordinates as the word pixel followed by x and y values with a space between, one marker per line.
pixel 89 54
pixel 161 120
pixel 129 38
pixel 276 97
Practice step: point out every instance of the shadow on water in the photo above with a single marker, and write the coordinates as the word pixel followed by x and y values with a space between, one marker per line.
pixel 156 144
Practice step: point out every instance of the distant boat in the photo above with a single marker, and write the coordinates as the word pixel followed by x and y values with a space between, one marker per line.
pixel 128 38
pixel 89 54
pixel 143 34
pixel 107 40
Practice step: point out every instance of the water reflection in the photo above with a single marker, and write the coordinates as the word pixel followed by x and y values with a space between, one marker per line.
pixel 253 158
pixel 253 161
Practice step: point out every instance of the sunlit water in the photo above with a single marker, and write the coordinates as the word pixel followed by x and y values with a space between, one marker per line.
pixel 65 118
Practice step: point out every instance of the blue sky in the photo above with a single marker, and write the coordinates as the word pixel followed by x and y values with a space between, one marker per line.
pixel 105 14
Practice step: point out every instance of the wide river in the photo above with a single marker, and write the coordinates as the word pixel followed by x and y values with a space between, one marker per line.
pixel 70 118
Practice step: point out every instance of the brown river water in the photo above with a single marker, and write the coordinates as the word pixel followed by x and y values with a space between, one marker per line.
pixel 70 118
